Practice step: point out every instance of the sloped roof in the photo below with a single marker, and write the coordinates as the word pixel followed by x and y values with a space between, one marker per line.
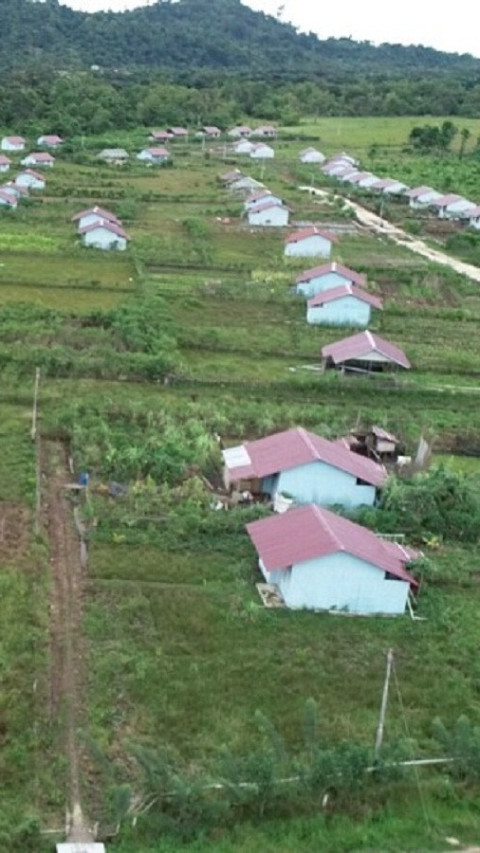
pixel 357 347
pixel 15 140
pixel 473 212
pixel 297 236
pixel 5 161
pixel 324 269
pixel 40 157
pixel 309 532
pixel 8 197
pixel 385 183
pixel 104 223
pixel 161 134
pixel 158 152
pixel 445 200
pixel 266 205
pixel 99 211
pixel 178 131
pixel 290 448
pixel 258 196
pixel 51 138
pixel 342 291
pixel 37 175
pixel 419 191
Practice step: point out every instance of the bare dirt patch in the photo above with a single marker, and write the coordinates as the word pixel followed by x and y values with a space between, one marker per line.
pixel 14 531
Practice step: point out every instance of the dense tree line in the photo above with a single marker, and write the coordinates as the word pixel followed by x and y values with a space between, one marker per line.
pixel 90 102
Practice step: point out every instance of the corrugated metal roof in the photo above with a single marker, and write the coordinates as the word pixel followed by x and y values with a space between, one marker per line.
pixel 419 191
pixel 113 227
pixel 310 232
pixel 324 269
pixel 342 291
pixel 445 200
pixel 309 532
pixel 99 211
pixel 293 447
pixel 358 347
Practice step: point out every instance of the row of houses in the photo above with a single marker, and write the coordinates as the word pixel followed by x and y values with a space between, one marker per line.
pixel 255 150
pixel 99 228
pixel 12 193
pixel 19 143
pixel 446 206
pixel 266 131
pixel 261 206
pixel 316 559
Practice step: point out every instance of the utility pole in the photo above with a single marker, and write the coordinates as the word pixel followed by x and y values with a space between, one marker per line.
pixel 383 706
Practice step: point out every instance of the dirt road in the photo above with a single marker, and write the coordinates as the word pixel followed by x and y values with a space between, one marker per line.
pixel 66 652
pixel 385 229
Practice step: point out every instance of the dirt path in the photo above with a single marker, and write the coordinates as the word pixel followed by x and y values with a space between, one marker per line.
pixel 66 653
pixel 384 228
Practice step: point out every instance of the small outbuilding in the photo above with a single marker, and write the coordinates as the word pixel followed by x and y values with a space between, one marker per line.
pixel 311 242
pixel 13 143
pixel 104 235
pixel 40 159
pixel 364 353
pixel 5 163
pixel 321 561
pixel 154 156
pixel 269 213
pixel 327 277
pixel 31 180
pixel 311 155
pixel 305 467
pixel 346 305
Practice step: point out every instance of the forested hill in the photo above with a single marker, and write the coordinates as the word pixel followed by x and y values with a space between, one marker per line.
pixel 187 35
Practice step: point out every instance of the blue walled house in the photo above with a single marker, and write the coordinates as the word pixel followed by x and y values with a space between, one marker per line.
pixel 343 306
pixel 305 467
pixel 327 277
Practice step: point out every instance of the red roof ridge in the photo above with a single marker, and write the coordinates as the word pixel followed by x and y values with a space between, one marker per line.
pixel 326 523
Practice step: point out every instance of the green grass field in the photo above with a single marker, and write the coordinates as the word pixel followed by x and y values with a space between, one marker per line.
pixel 194 331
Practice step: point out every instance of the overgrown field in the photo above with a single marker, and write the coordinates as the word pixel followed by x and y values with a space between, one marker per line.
pixel 146 358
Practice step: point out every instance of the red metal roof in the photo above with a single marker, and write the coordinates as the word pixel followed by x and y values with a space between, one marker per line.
pixel 357 347
pixel 472 213
pixel 15 140
pixel 99 211
pixel 324 269
pixel 15 188
pixel 310 532
pixel 266 206
pixel 10 198
pixel 178 131
pixel 161 134
pixel 5 161
pixel 258 196
pixel 359 176
pixel 158 152
pixel 342 291
pixel 51 139
pixel 293 447
pixel 104 223
pixel 231 176
pixel 209 128
pixel 40 157
pixel 419 191
pixel 310 232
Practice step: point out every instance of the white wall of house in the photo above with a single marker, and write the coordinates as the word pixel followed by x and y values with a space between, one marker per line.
pixel 310 247
pixel 319 483
pixel 342 582
pixel 458 207
pixel 263 152
pixel 101 238
pixel 272 217
pixel 312 157
pixel 29 181
pixel 11 205
pixel 424 200
pixel 6 145
pixel 346 311
pixel 4 167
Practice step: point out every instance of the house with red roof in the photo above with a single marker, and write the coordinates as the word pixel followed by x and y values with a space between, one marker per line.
pixel 155 156
pixel 422 197
pixel 92 215
pixel 160 135
pixel 472 217
pixel 305 467
pixel 5 163
pixel 326 277
pixel 321 561
pixel 245 185
pixel 364 352
pixel 178 132
pixel 30 179
pixel 211 131
pixel 310 242
pixel 389 186
pixel 7 199
pixel 270 213
pixel 345 305
pixel 260 197
pixel 15 190
pixel 104 235
pixel 268 131
pixel 241 131
pixel 50 140
pixel 452 206
pixel 40 159
pixel 12 143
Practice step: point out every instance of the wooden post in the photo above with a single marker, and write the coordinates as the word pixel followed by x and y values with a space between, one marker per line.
pixel 383 706
pixel 33 433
